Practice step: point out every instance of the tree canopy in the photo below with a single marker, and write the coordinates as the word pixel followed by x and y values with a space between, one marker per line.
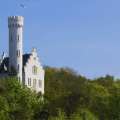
pixel 67 96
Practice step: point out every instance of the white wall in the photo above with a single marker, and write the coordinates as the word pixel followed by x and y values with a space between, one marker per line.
pixel 34 61
pixel 15 24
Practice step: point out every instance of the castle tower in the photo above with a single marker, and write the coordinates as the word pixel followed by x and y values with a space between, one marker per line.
pixel 15 25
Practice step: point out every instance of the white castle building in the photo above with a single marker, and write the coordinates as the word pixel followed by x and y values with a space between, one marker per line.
pixel 26 66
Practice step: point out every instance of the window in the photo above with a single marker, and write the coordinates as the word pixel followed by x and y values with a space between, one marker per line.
pixel 34 58
pixel 40 83
pixel 11 39
pixel 18 67
pixel 34 83
pixel 19 79
pixel 29 81
pixel 34 70
pixel 18 38
pixel 18 53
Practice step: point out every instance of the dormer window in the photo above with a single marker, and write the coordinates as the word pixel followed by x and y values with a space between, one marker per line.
pixel 34 70
pixel 34 58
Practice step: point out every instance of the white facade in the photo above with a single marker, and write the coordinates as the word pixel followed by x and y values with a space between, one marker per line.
pixel 27 66
pixel 15 24
pixel 34 73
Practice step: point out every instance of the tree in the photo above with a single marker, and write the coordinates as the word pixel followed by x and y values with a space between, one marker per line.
pixel 19 102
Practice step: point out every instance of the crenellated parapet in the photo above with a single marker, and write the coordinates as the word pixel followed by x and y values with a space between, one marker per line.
pixel 15 21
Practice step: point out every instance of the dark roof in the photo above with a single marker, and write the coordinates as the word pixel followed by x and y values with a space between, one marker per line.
pixel 25 58
pixel 5 62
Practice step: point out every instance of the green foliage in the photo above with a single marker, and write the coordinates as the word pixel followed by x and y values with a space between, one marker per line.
pixel 66 90
pixel 61 116
pixel 67 96
pixel 83 114
pixel 17 102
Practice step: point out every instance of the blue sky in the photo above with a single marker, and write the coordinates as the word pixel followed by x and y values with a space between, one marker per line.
pixel 80 34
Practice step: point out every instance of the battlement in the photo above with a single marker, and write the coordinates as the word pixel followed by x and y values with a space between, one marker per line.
pixel 15 21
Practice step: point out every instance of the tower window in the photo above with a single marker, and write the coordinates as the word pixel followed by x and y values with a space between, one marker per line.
pixel 18 53
pixel 11 39
pixel 18 38
pixel 18 67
